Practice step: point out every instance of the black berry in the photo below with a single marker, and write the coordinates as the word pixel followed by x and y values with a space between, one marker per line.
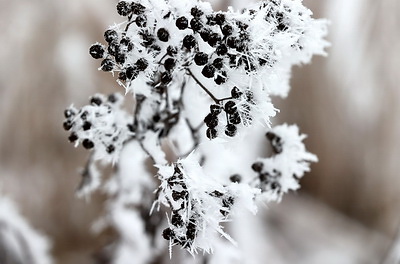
pixel 257 166
pixel 73 137
pixel 122 76
pixel 213 39
pixel 107 65
pixel 169 64
pixel 227 30
pixel 166 77
pixel 211 133
pixel 141 64
pixel 68 113
pixel 86 126
pixel 163 34
pixel 110 35
pixel 67 125
pixel 141 21
pixel 208 71
pixel 138 9
pixel 131 73
pixel 230 130
pixel 168 234
pixel 211 120
pixel 218 63
pixel 110 149
pixel 221 78
pixel 96 51
pixel 221 49
pixel 171 50
pixel 182 23
pixel 189 41
pixel 235 118
pixel 220 19
pixel 215 109
pixel 230 107
pixel 201 58
pixel 96 100
pixel 87 143
pixel 235 178
pixel 205 35
pixel 196 24
pixel 123 8
pixel 236 93
pixel 196 12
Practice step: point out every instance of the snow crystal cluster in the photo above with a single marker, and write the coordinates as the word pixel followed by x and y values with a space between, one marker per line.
pixel 199 79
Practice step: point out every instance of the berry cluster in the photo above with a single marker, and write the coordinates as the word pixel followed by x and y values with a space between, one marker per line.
pixel 268 181
pixel 98 125
pixel 237 110
pixel 183 223
pixel 191 209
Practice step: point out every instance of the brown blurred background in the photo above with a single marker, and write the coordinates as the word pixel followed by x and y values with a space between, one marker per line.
pixel 348 104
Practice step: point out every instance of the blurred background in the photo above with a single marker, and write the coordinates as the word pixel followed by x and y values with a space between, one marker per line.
pixel 348 104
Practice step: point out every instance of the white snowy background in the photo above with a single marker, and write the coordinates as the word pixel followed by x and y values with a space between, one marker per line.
pixel 348 103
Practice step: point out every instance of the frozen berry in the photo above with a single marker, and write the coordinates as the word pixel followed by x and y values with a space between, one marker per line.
pixel 120 58
pixel 141 64
pixel 196 12
pixel 215 109
pixel 141 21
pixel 86 126
pixel 96 51
pixel 236 93
pixel 176 220
pixel 221 49
pixel 196 24
pixel 171 50
pixel 138 9
pixel 112 98
pixel 201 58
pixel 213 39
pixel 163 34
pixel 67 125
pixel 211 121
pixel 122 76
pixel 235 118
pixel 182 23
pixel 123 8
pixel 220 19
pixel 169 64
pixel 107 65
pixel 235 178
pixel 230 130
pixel 87 143
pixel 73 137
pixel 227 30
pixel 189 41
pixel 221 78
pixel 211 133
pixel 230 107
pixel 166 78
pixel 231 42
pixel 218 63
pixel 110 149
pixel 131 73
pixel 69 113
pixel 110 35
pixel 257 166
pixel 168 234
pixel 95 100
pixel 208 71
pixel 113 48
pixel 205 35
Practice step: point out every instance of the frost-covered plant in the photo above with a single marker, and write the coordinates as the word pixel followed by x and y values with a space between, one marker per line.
pixel 19 242
pixel 201 81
